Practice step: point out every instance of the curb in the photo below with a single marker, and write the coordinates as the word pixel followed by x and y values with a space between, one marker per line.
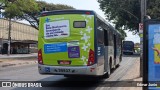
pixel 6 65
pixel 8 57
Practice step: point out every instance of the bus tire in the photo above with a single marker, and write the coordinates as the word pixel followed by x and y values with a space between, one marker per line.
pixel 131 53
pixel 120 59
pixel 117 65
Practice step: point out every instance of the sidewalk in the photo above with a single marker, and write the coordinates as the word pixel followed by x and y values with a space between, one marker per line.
pixel 132 75
pixel 18 59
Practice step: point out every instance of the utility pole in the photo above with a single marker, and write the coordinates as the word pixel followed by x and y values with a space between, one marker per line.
pixel 9 32
pixel 143 9
pixel 143 14
pixel 9 37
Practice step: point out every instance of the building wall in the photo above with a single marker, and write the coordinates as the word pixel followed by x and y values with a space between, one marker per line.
pixel 19 31
pixel 22 35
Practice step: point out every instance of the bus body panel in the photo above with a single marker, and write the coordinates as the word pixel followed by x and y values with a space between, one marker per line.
pixel 108 56
pixel 118 50
pixel 100 58
pixel 74 48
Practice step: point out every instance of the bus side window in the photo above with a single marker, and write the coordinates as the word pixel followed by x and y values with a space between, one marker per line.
pixel 100 36
pixel 110 38
pixel 106 37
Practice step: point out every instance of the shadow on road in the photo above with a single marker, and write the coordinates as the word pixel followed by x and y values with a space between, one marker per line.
pixel 77 83
pixel 74 83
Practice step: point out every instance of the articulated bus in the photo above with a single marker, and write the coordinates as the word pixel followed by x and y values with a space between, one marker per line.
pixel 77 42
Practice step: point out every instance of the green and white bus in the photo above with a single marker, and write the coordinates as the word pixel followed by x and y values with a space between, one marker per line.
pixel 77 42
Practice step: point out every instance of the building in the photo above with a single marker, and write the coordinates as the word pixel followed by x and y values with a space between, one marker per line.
pixel 23 37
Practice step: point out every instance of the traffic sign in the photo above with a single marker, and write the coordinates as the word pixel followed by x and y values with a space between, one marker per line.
pixel 140 27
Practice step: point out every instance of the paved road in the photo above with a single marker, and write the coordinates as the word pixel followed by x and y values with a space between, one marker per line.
pixel 30 73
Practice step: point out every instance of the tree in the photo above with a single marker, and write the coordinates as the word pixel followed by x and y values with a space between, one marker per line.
pixel 123 33
pixel 17 8
pixel 32 18
pixel 124 13
pixel 153 9
pixel 29 9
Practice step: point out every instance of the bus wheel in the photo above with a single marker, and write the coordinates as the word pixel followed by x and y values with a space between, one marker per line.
pixel 117 65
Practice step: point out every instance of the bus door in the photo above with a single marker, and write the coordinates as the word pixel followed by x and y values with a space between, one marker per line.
pixel 115 48
pixel 106 44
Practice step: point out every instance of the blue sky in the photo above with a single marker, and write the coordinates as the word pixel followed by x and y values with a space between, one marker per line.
pixel 90 5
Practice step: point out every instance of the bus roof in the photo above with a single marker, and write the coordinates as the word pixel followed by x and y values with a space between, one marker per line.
pixel 108 24
pixel 57 12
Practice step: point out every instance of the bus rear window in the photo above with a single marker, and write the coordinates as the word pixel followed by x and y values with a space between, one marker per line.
pixel 79 24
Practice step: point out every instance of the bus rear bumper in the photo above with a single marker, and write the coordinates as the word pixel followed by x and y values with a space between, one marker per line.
pixel 68 70
pixel 127 51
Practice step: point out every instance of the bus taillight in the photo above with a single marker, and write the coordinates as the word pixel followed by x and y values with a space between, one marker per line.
pixel 91 58
pixel 88 13
pixel 40 60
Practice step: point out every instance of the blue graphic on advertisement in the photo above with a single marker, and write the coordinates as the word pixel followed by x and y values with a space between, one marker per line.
pixel 73 52
pixel 55 48
pixel 153 49
pixel 157 70
pixel 47 20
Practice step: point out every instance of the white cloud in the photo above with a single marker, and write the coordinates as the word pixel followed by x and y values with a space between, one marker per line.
pixel 131 37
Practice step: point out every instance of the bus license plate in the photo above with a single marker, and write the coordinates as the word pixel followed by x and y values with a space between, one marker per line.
pixel 64 62
pixel 63 70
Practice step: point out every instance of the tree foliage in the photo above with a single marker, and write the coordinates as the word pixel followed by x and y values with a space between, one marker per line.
pixel 32 18
pixel 17 8
pixel 29 9
pixel 125 14
pixel 153 9
pixel 52 6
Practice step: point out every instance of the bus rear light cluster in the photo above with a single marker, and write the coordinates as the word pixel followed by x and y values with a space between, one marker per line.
pixel 40 59
pixel 91 59
pixel 88 13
